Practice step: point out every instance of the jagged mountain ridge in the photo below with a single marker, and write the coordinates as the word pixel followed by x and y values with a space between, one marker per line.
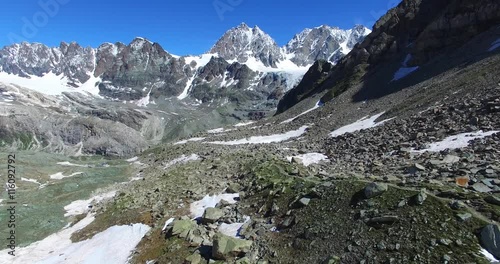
pixel 131 72
pixel 324 43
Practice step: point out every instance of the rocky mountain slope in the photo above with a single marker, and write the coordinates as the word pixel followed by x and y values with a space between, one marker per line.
pixel 390 164
pixel 414 38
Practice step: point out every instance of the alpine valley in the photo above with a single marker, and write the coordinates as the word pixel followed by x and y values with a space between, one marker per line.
pixel 376 145
pixel 149 95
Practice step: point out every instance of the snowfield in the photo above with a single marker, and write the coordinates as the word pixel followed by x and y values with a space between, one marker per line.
pixel 51 84
pixel 264 139
pixel 364 123
pixel 82 206
pixel 108 246
pixel 455 142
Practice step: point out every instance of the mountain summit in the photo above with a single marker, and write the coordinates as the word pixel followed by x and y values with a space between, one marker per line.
pixel 242 42
pixel 324 43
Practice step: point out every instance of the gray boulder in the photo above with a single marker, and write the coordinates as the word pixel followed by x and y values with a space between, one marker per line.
pixel 226 247
pixel 211 215
pixel 375 189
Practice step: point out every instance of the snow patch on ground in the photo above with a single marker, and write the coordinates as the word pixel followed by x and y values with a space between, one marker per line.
pixel 219 130
pixel 265 139
pixel 197 208
pixel 30 180
pixel 363 123
pixel 310 110
pixel 105 247
pixel 82 206
pixel 242 124
pixel 216 130
pixel 182 159
pixel 168 222
pixel 403 72
pixel 60 176
pixel 189 140
pixel 108 246
pixel 310 158
pixel 488 256
pixel 67 163
pixel 233 230
pixel 456 141
pixel 495 45
pixel 132 159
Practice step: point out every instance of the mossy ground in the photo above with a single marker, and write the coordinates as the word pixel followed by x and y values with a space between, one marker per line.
pixel 331 225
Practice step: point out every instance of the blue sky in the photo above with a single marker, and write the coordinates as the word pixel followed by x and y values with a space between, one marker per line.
pixel 181 27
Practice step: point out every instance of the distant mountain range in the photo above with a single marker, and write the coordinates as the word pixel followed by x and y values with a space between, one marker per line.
pixel 245 65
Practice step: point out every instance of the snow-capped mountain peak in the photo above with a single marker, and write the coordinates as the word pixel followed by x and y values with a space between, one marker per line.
pixel 242 42
pixel 324 42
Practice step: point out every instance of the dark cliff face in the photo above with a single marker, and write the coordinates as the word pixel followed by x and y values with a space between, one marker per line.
pixel 138 65
pixel 417 32
pixel 312 79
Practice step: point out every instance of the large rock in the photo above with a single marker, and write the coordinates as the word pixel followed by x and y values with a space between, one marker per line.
pixel 481 187
pixel 211 215
pixel 492 200
pixel 375 189
pixel 193 259
pixel 490 239
pixel 226 247
pixel 182 228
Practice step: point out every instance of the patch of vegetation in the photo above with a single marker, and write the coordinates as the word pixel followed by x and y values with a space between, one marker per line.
pixel 119 212
pixel 336 223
